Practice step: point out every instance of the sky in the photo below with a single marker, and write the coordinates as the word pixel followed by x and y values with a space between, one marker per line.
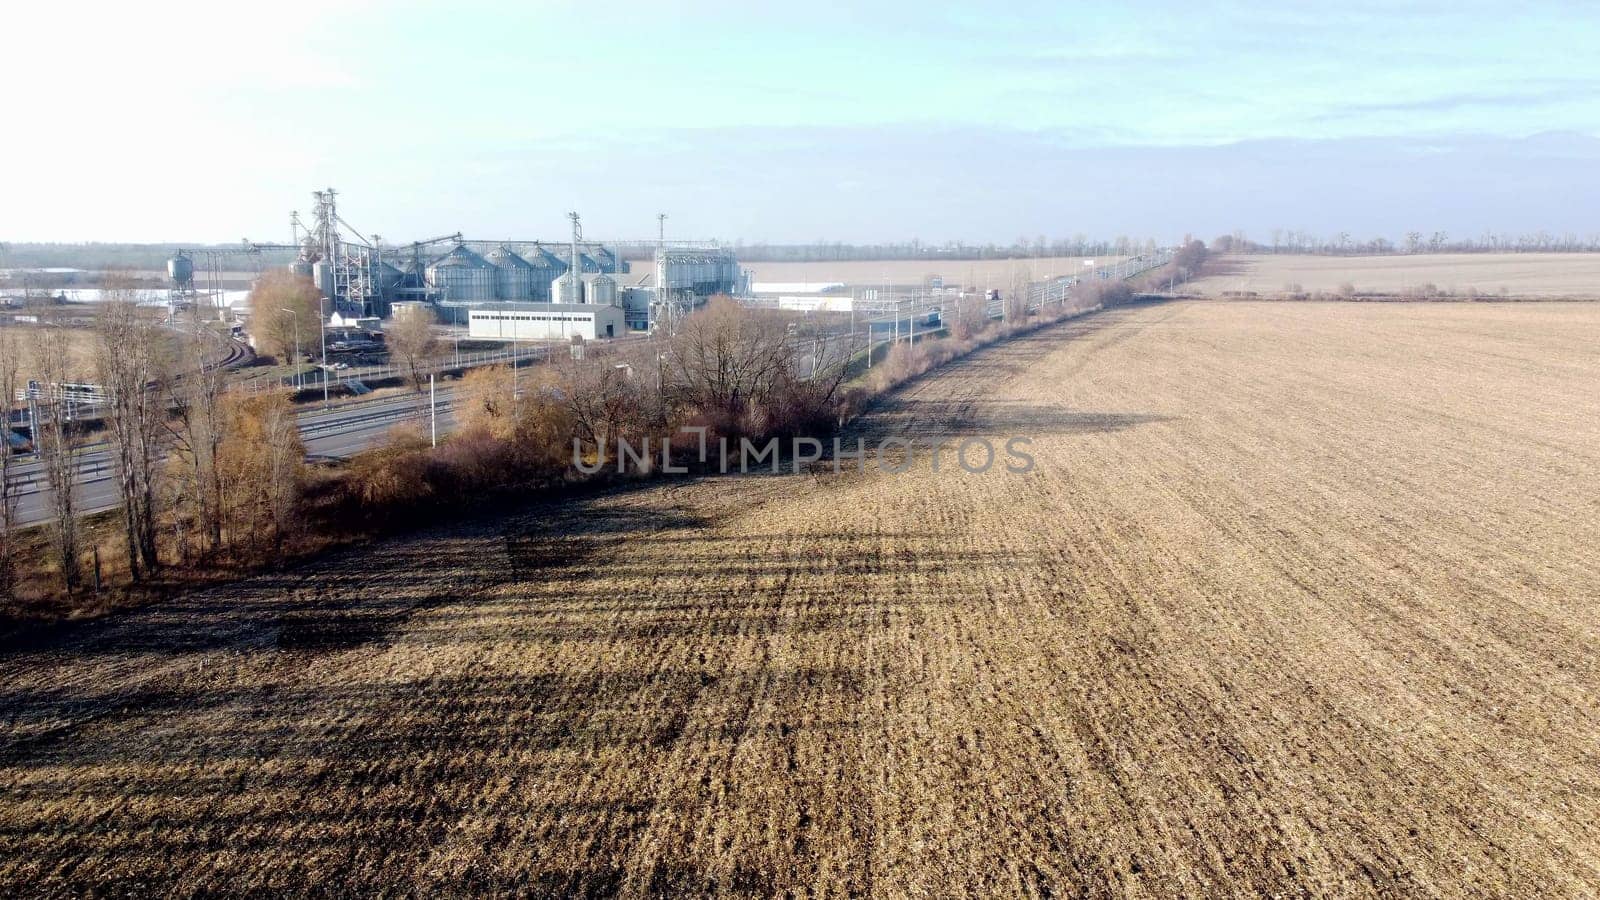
pixel 790 122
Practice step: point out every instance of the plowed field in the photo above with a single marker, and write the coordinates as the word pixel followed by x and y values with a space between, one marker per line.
pixel 1299 599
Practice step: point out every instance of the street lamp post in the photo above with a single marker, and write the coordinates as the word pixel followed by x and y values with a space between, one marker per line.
pixel 322 327
pixel 296 314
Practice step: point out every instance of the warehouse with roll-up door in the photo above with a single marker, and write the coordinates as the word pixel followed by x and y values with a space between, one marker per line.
pixel 545 321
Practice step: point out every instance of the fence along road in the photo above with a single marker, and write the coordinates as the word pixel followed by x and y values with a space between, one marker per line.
pixel 327 434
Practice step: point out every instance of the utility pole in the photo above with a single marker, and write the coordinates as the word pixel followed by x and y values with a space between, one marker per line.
pixel 433 411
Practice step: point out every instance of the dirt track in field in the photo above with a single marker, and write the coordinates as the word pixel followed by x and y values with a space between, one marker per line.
pixel 1299 599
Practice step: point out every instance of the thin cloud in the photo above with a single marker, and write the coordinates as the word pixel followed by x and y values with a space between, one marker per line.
pixel 1463 101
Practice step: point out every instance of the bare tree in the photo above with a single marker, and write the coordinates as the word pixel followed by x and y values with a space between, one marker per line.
pixel 198 428
pixel 725 359
pixel 485 401
pixel 410 338
pixel 285 309
pixel 131 362
pixel 603 400
pixel 1016 301
pixel 56 444
pixel 10 381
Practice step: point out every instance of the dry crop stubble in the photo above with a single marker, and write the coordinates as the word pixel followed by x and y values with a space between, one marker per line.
pixel 1297 599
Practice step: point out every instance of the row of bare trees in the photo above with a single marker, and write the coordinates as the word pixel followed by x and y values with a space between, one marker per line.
pixel 199 472
pixel 10 384
pixel 732 371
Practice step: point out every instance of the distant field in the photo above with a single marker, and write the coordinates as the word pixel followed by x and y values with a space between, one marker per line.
pixel 994 272
pixel 1572 275
pixel 77 324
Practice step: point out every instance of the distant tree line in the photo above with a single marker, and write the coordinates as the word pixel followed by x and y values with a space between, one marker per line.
pixel 105 256
pixel 153 257
pixel 1021 248
pixel 1282 240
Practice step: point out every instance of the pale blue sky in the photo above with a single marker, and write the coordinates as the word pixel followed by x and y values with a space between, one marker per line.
pixel 796 122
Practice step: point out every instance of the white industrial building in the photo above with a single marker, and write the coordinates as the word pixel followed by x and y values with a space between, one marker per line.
pixel 545 321
pixel 817 303
pixel 763 288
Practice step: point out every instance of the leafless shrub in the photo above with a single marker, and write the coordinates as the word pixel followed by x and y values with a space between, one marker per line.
pixel 725 362
pixel 394 474
pixel 411 340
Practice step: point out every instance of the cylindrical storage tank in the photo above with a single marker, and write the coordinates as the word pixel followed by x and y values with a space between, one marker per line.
pixel 513 276
pixel 462 275
pixel 565 289
pixel 600 289
pixel 322 274
pixel 545 269
pixel 181 269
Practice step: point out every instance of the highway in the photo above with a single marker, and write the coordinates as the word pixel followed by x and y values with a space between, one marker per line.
pixel 334 433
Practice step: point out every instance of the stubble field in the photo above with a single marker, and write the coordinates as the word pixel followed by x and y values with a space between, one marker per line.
pixel 1299 599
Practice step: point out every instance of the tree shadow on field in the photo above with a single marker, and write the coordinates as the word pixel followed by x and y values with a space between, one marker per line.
pixel 486 691
pixel 505 690
pixel 968 417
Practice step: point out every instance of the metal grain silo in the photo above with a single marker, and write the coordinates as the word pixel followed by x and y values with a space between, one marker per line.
pixel 606 259
pixel 322 274
pixel 462 275
pixel 513 275
pixel 566 289
pixel 387 277
pixel 180 269
pixel 600 288
pixel 546 268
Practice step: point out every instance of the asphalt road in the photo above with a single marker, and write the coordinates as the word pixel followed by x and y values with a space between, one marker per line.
pixel 327 434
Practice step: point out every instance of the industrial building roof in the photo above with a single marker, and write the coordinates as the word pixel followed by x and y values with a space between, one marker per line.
pixel 539 307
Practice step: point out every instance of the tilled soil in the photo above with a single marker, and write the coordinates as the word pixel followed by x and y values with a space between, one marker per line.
pixel 1298 599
